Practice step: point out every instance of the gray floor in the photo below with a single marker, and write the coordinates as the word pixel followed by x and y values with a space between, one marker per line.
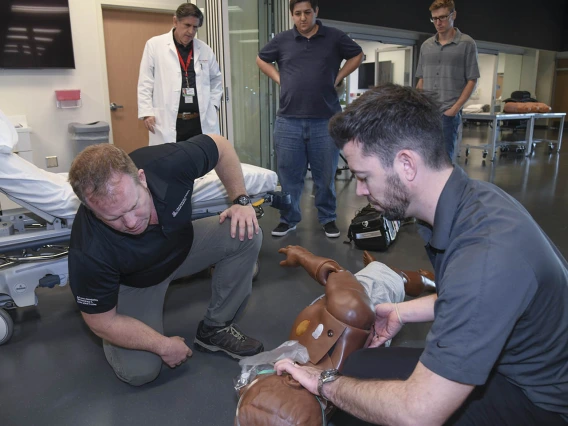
pixel 53 371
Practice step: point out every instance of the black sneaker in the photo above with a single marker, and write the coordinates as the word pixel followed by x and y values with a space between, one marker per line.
pixel 227 339
pixel 282 229
pixel 331 230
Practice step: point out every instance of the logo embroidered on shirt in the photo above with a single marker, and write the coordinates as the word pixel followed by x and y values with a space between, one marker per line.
pixel 176 211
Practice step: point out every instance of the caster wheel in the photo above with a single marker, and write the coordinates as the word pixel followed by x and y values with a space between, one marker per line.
pixel 484 154
pixel 533 146
pixel 550 148
pixel 519 150
pixel 6 326
pixel 467 152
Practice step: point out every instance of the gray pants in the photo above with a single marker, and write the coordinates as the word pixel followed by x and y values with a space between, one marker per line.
pixel 231 287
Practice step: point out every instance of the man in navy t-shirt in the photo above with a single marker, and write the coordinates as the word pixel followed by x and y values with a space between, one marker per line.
pixel 309 57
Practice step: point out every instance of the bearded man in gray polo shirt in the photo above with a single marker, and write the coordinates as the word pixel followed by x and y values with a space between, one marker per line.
pixel 448 66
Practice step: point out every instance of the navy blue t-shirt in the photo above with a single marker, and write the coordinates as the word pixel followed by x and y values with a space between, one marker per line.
pixel 308 69
pixel 101 258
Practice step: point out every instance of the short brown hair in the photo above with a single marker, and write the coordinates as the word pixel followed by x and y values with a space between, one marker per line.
pixel 188 9
pixel 438 4
pixel 313 3
pixel 96 169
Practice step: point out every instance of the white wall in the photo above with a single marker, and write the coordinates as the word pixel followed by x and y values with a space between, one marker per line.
pixel 545 76
pixel 529 70
pixel 397 59
pixel 511 74
pixel 31 92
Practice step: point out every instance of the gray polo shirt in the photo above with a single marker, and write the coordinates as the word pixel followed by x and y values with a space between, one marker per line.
pixel 447 69
pixel 502 294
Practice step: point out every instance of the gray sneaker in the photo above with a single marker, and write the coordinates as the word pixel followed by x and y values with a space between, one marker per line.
pixel 227 339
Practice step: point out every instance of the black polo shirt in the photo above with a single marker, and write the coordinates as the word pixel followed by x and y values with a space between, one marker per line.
pixel 100 258
pixel 502 294
pixel 184 52
pixel 308 69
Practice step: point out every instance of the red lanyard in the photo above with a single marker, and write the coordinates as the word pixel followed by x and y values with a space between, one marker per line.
pixel 185 66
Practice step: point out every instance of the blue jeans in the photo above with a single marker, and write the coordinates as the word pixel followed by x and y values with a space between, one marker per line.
pixel 451 126
pixel 299 142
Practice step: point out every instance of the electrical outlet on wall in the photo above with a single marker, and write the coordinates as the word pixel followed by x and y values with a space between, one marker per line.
pixel 51 161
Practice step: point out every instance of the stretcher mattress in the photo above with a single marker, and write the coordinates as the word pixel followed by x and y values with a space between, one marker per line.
pixel 50 192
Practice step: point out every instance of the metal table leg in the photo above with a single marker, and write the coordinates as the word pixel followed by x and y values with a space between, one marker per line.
pixel 494 138
pixel 560 131
pixel 530 133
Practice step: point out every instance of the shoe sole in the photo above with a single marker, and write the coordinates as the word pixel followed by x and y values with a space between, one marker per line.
pixel 202 347
pixel 333 235
pixel 281 234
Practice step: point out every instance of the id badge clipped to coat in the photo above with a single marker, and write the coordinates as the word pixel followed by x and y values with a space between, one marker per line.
pixel 188 94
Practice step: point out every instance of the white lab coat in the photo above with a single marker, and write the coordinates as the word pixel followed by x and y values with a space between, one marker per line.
pixel 159 87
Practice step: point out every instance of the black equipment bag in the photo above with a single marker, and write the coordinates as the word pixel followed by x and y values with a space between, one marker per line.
pixel 371 231
pixel 520 96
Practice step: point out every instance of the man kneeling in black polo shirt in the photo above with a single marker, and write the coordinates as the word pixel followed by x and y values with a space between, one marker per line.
pixel 133 235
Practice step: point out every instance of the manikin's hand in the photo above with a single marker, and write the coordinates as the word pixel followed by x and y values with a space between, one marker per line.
pixel 150 123
pixel 387 324
pixel 293 255
pixel 175 351
pixel 242 218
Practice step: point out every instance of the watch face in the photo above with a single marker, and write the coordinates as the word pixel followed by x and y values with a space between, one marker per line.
pixel 243 200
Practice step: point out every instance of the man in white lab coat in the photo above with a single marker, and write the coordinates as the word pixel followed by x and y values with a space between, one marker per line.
pixel 180 84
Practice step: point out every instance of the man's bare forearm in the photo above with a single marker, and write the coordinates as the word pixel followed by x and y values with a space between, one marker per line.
pixel 375 401
pixel 229 168
pixel 130 333
pixel 350 65
pixel 418 310
pixel 465 95
pixel 268 69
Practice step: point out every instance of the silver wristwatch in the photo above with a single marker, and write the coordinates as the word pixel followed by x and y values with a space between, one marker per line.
pixel 327 376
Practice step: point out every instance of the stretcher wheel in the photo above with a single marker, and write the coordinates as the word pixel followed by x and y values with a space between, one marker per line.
pixel 520 149
pixel 6 326
pixel 484 154
pixel 550 148
pixel 467 152
pixel 533 145
pixel 504 149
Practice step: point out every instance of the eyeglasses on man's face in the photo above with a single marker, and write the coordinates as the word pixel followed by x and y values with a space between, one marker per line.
pixel 442 18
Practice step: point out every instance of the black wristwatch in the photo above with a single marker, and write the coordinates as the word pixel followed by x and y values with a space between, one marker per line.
pixel 243 200
pixel 327 376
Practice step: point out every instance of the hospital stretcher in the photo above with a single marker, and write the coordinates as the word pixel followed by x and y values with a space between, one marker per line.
pixel 34 235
